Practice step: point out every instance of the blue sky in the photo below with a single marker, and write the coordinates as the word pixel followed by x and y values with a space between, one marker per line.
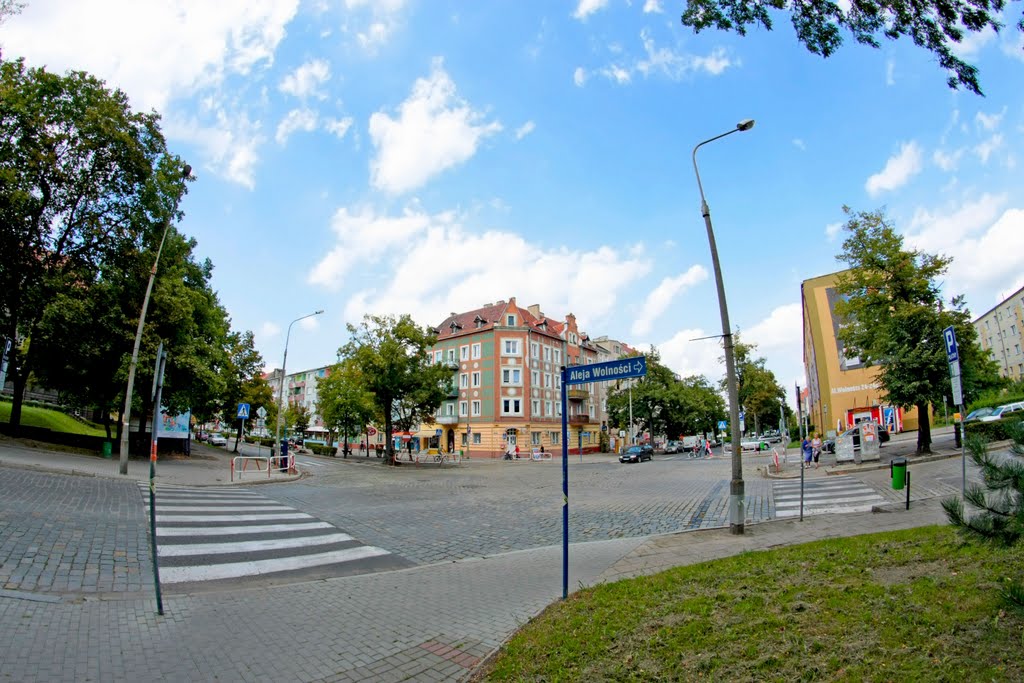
pixel 406 156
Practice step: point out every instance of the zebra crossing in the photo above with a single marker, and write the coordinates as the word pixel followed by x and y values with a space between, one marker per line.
pixel 211 534
pixel 824 495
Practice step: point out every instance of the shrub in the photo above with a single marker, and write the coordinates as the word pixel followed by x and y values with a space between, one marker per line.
pixel 999 430
pixel 320 449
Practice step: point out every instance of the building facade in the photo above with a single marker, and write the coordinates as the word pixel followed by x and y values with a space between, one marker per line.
pixel 1001 333
pixel 841 389
pixel 506 388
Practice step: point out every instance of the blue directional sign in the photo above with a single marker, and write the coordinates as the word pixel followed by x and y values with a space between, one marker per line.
pixel 243 411
pixel 600 372
pixel 950 337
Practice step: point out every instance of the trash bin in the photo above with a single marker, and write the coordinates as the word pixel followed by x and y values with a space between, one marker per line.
pixel 898 470
pixel 957 438
pixel 108 449
pixel 284 455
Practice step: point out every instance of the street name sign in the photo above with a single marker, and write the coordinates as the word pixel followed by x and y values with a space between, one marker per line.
pixel 623 368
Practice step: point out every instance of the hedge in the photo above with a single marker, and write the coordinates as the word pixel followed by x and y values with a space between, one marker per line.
pixel 999 430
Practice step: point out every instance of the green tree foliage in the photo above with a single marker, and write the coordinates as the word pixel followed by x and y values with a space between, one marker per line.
pixel 344 402
pixel 82 177
pixel 893 316
pixel 664 405
pixel 241 380
pixel 391 354
pixel 935 25
pixel 760 395
pixel 1000 503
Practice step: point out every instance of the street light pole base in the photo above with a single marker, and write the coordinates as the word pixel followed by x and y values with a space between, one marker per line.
pixel 736 529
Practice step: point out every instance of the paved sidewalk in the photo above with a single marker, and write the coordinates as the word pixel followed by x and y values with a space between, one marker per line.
pixel 434 622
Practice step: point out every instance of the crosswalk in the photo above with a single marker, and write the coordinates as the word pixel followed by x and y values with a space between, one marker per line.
pixel 211 534
pixel 831 494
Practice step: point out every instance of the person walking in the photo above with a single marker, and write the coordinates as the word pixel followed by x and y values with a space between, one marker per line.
pixel 816 448
pixel 808 452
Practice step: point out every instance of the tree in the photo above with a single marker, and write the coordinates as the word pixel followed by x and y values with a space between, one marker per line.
pixel 1000 518
pixel 935 25
pixel 893 315
pixel 344 402
pixel 391 354
pixel 81 178
pixel 760 395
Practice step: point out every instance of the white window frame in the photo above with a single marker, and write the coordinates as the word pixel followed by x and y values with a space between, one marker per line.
pixel 476 350
pixel 475 408
pixel 438 356
pixel 510 320
pixel 449 409
pixel 548 409
pixel 556 438
pixel 476 438
pixel 511 406
pixel 464 352
pixel 512 376
pixel 511 347
pixel 463 408
pixel 547 354
pixel 534 350
pixel 535 407
pixel 463 380
pixel 557 356
pixel 451 354
pixel 535 377
pixel 475 379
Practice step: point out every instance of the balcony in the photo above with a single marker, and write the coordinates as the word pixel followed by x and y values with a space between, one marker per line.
pixel 578 394
pixel 446 419
pixel 453 391
pixel 579 419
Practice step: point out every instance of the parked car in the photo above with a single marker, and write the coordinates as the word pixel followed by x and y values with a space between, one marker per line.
pixel 979 414
pixel 1003 410
pixel 218 440
pixel 636 454
pixel 672 447
pixel 755 445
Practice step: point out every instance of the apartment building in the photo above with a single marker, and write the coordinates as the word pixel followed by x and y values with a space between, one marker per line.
pixel 610 350
pixel 506 364
pixel 841 389
pixel 300 389
pixel 1001 333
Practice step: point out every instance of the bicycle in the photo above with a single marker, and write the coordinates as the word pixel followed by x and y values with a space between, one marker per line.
pixel 441 457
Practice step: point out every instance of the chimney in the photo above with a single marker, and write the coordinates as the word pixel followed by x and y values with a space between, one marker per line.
pixel 535 310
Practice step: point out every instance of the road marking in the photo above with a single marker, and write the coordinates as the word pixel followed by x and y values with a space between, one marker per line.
pixel 176 531
pixel 221 508
pixel 833 495
pixel 232 518
pixel 250 546
pixel 234 570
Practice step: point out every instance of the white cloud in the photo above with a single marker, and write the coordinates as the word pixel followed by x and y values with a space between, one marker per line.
pixel 947 161
pixel 898 170
pixel 890 71
pixel 984 149
pixel 799 144
pixel 661 296
pixel 667 62
pixel 943 229
pixel 231 143
pixel 617 73
pixel 587 7
pixel 434 131
pixel 988 261
pixel 296 119
pixel 579 76
pixel 268 330
pixel 989 122
pixel 972 43
pixel 562 278
pixel 385 17
pixel 832 231
pixel 524 130
pixel 155 51
pixel 782 330
pixel 652 6
pixel 338 127
pixel 305 80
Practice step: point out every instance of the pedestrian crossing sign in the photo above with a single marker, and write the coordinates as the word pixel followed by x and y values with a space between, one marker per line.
pixel 243 411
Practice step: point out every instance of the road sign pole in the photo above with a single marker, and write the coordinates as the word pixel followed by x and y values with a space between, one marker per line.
pixel 565 490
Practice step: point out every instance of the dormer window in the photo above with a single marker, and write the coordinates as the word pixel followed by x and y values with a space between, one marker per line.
pixel 479 321
pixel 510 320
pixel 455 326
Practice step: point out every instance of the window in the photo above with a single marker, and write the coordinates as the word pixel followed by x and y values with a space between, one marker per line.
pixel 476 351
pixel 464 352
pixel 511 406
pixel 1016 347
pixel 510 347
pixel 535 407
pixel 534 350
pixel 438 355
pixel 476 379
pixel 511 376
pixel 475 406
pixel 535 438
pixel 510 320
pixel 547 380
pixel 463 409
pixel 547 409
pixel 547 354
pixel 557 356
pixel 535 378
pixel 558 409
pixel 463 380
pixel 449 409
pixel 556 438
pixel 451 354
pixel 476 438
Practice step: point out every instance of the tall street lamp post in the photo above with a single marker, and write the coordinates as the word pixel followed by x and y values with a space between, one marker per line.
pixel 736 492
pixel 280 386
pixel 186 171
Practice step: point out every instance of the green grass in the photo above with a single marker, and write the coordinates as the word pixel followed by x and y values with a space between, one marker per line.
pixel 913 605
pixel 34 416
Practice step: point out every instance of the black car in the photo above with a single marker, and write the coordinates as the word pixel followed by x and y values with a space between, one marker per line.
pixel 636 454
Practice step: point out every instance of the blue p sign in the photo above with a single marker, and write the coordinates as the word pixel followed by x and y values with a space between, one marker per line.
pixel 950 336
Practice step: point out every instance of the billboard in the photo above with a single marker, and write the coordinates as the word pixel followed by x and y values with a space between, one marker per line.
pixel 173 426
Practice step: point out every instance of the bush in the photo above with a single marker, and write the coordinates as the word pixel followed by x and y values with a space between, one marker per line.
pixel 993 431
pixel 320 449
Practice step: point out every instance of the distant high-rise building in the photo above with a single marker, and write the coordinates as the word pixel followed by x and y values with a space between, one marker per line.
pixel 1001 333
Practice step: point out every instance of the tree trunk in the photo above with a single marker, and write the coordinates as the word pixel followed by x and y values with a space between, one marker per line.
pixel 389 449
pixel 924 429
pixel 20 381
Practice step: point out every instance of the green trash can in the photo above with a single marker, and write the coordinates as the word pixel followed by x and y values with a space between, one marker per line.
pixel 898 471
pixel 107 449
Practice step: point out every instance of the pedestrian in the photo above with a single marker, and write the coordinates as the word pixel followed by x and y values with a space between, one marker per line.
pixel 508 452
pixel 408 447
pixel 707 447
pixel 816 448
pixel 808 451
pixel 517 451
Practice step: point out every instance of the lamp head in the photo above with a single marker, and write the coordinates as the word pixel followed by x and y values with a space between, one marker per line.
pixel 319 312
pixel 745 124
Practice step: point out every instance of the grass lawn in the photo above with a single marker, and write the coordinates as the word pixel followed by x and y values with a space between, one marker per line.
pixel 34 416
pixel 915 605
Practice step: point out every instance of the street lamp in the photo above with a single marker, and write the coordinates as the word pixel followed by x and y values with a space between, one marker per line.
pixel 186 171
pixel 736 492
pixel 280 389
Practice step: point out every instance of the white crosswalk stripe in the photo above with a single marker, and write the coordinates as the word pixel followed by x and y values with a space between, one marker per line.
pixel 206 534
pixel 832 494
